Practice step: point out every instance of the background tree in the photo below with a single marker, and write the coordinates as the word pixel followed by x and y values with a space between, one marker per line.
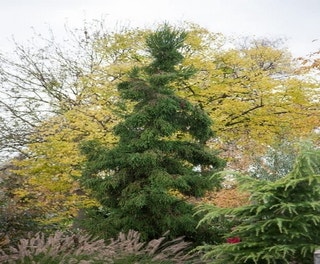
pixel 257 97
pixel 46 78
pixel 132 181
pixel 16 220
pixel 81 106
pixel 281 224
pixel 277 162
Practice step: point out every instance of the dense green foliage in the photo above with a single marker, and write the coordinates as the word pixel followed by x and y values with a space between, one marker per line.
pixel 282 223
pixel 161 149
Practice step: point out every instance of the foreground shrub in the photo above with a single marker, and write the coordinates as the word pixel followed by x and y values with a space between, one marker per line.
pixel 60 248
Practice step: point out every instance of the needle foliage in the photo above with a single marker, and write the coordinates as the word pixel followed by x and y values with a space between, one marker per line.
pixel 161 150
pixel 282 223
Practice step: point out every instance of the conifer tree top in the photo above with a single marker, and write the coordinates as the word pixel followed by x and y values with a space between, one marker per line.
pixel 164 46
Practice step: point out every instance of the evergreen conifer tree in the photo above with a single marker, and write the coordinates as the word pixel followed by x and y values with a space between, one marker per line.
pixel 160 150
pixel 282 223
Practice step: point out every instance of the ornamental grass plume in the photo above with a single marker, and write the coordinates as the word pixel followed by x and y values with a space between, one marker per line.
pixel 61 248
pixel 155 251
pixel 56 248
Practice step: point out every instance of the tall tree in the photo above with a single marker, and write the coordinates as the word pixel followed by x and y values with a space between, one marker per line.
pixel 281 224
pixel 161 148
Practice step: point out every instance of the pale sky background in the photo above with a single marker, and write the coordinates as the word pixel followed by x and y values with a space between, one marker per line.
pixel 298 21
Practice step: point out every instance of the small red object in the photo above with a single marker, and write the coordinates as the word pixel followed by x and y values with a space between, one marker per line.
pixel 233 240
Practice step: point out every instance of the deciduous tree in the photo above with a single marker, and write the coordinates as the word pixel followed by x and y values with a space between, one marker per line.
pixel 52 121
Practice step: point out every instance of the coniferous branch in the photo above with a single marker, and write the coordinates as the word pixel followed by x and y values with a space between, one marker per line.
pixel 281 225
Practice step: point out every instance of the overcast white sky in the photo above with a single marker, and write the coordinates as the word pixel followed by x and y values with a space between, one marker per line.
pixel 296 20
